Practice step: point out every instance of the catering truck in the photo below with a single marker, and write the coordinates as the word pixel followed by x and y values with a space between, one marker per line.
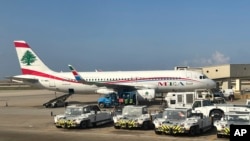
pixel 186 99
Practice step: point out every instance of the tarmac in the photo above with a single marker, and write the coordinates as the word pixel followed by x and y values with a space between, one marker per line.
pixel 24 118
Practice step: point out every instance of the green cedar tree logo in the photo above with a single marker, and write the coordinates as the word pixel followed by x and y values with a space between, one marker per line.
pixel 28 58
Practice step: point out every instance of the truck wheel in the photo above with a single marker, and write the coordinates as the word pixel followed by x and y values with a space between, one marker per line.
pixel 65 104
pixel 83 124
pixel 158 132
pixel 117 127
pixel 216 114
pixel 101 105
pixel 192 131
pixel 219 136
pixel 145 125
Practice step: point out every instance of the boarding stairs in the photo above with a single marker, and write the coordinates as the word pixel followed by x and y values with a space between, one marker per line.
pixel 59 99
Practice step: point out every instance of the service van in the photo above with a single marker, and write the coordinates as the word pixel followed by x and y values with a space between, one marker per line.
pixel 228 94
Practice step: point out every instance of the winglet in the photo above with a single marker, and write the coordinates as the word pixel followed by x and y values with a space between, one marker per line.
pixel 75 73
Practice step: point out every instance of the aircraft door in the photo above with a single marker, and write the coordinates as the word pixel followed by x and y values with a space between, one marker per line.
pixel 189 75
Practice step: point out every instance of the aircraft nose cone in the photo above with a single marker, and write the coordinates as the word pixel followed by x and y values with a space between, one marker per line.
pixel 212 84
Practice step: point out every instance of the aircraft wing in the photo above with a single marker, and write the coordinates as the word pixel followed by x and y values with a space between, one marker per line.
pixel 80 79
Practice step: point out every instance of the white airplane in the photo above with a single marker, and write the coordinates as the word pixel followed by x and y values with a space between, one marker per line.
pixel 145 83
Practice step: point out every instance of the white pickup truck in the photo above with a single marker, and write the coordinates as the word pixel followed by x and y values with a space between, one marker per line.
pixel 210 109
pixel 217 110
pixel 82 116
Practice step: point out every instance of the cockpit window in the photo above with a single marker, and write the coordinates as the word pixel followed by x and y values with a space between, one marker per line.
pixel 203 77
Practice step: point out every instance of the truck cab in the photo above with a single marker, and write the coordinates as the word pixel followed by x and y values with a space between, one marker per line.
pixel 108 100
pixel 115 99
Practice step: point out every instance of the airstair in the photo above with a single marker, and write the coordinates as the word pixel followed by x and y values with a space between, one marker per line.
pixel 57 100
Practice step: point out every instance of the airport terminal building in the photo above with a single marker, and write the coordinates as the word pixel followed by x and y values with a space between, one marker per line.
pixel 235 76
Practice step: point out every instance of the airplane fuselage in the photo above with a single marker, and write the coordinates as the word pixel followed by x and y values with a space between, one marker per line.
pixel 161 81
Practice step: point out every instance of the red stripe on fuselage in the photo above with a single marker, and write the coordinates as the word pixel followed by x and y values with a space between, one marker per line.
pixel 41 74
pixel 21 44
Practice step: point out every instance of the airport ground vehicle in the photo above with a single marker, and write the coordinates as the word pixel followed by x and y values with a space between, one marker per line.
pixel 235 118
pixel 57 103
pixel 186 99
pixel 114 99
pixel 82 116
pixel 206 106
pixel 135 117
pixel 217 110
pixel 248 102
pixel 228 94
pixel 182 120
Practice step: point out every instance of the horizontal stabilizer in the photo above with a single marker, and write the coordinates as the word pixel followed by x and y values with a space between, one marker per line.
pixel 23 79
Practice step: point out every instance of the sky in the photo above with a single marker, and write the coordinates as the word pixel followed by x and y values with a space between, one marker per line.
pixel 121 35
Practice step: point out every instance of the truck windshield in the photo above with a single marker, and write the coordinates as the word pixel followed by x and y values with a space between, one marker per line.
pixel 132 111
pixel 176 114
pixel 73 111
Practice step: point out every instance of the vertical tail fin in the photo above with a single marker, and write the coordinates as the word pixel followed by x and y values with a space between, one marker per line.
pixel 75 73
pixel 79 78
pixel 29 62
